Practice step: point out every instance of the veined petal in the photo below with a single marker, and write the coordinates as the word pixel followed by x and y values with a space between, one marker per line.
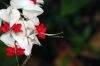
pixel 7 39
pixel 14 17
pixel 32 11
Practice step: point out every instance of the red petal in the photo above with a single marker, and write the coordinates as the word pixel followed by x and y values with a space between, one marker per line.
pixel 17 28
pixel 20 51
pixel 10 51
pixel 9 54
pixel 42 36
pixel 5 27
pixel 41 29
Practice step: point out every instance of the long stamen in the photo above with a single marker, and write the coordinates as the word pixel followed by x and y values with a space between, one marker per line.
pixel 54 35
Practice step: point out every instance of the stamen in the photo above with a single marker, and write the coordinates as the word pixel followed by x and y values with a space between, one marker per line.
pixel 54 35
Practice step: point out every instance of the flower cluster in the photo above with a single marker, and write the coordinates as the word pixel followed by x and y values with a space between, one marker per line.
pixel 20 26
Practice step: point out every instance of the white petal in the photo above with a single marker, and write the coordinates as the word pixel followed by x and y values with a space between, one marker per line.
pixel 29 31
pixel 7 39
pixel 14 17
pixel 35 20
pixel 28 51
pixel 8 10
pixel 32 11
pixel 19 3
pixel 34 39
pixel 3 15
pixel 30 24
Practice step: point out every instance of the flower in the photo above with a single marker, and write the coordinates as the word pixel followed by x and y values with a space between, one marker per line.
pixel 11 51
pixel 7 37
pixel 9 15
pixel 21 31
pixel 41 29
pixel 6 27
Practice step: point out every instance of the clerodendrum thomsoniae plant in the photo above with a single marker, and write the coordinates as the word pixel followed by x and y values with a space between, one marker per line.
pixel 20 26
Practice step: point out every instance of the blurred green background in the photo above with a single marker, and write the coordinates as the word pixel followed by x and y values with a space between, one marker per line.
pixel 80 45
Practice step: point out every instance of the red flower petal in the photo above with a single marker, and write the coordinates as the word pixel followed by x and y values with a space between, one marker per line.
pixel 17 28
pixel 5 27
pixel 10 51
pixel 41 29
pixel 42 36
pixel 20 51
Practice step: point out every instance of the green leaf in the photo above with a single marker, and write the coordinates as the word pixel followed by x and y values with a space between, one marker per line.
pixel 71 6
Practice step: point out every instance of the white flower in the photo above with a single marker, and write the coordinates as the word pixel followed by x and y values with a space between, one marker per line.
pixel 27 37
pixel 9 15
pixel 8 39
pixel 30 10
pixel 27 40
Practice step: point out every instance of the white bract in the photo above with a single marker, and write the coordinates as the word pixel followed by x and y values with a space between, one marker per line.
pixel 27 38
pixel 31 11
pixel 9 15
